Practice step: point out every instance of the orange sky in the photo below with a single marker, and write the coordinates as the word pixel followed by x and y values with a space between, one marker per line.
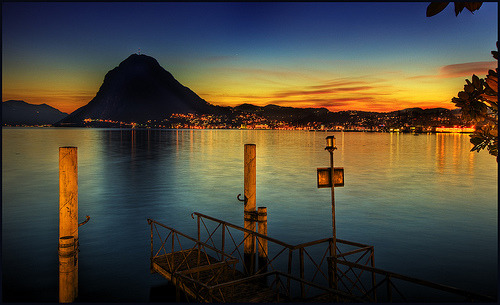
pixel 341 56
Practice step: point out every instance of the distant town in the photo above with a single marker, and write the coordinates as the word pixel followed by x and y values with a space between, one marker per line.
pixel 414 120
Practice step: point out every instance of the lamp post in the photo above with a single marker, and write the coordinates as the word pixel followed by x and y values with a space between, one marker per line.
pixel 331 177
pixel 330 147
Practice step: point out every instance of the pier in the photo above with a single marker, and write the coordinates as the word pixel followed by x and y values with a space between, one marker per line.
pixel 218 265
pixel 211 268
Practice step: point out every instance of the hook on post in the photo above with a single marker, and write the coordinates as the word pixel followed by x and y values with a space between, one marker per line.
pixel 84 222
pixel 238 197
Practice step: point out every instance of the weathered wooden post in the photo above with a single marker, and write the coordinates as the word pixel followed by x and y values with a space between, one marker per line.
pixel 66 269
pixel 68 224
pixel 262 229
pixel 250 206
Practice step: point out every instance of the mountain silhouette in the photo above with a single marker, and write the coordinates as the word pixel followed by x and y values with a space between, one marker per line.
pixel 21 113
pixel 138 90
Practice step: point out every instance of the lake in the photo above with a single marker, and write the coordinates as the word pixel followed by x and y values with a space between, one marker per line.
pixel 426 203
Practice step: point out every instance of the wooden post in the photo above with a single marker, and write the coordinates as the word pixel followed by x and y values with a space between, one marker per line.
pixel 250 206
pixel 66 269
pixel 68 218
pixel 262 229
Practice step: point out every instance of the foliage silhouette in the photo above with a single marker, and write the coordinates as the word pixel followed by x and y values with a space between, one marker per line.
pixel 479 100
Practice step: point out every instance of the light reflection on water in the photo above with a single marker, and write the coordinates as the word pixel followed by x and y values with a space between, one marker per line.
pixel 426 203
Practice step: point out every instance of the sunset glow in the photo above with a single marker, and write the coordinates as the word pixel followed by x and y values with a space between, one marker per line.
pixel 341 56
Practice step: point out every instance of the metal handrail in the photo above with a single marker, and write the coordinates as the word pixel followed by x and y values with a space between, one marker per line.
pixel 301 248
pixel 279 242
pixel 198 243
pixel 388 275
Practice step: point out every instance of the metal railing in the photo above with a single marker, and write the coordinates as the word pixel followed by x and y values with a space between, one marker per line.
pixel 394 287
pixel 177 255
pixel 312 263
pixel 276 291
pixel 206 268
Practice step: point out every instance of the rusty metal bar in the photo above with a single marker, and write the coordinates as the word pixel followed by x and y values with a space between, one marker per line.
pixel 275 257
pixel 301 260
pixel 372 259
pixel 245 230
pixel 351 243
pixel 333 291
pixel 318 267
pixel 353 251
pixel 374 288
pixel 312 243
pixel 190 238
pixel 290 256
pixel 209 238
pixel 152 250
pixel 353 284
pixel 389 290
pixel 223 236
pixel 450 289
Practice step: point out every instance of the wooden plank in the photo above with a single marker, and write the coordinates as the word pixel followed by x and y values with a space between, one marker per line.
pixel 208 267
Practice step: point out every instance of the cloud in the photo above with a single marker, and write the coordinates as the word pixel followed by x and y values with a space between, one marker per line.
pixel 479 68
pixel 340 86
pixel 338 83
pixel 336 94
pixel 324 90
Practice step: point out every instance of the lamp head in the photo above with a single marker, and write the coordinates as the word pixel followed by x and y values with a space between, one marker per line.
pixel 330 143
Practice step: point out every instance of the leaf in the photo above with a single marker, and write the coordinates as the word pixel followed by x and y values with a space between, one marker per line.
pixel 473 6
pixel 463 95
pixel 490 98
pixel 476 82
pixel 476 140
pixel 469 88
pixel 459 6
pixel 435 7
pixel 492 82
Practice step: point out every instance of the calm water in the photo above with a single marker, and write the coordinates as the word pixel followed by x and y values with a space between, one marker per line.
pixel 426 203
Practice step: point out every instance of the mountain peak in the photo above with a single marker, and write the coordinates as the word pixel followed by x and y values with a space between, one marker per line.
pixel 137 90
pixel 135 59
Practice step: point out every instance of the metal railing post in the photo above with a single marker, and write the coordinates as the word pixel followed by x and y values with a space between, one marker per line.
pixel 290 256
pixel 301 259
pixel 152 249
pixel 223 236
pixel 389 290
pixel 372 259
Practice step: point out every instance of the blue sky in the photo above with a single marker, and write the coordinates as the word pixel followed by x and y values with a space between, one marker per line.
pixel 339 55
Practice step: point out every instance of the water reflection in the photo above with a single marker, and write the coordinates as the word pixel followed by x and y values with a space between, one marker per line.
pixel 454 149
pixel 418 200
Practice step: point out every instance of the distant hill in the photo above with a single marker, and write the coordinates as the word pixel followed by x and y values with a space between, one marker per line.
pixel 139 89
pixel 414 116
pixel 22 113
